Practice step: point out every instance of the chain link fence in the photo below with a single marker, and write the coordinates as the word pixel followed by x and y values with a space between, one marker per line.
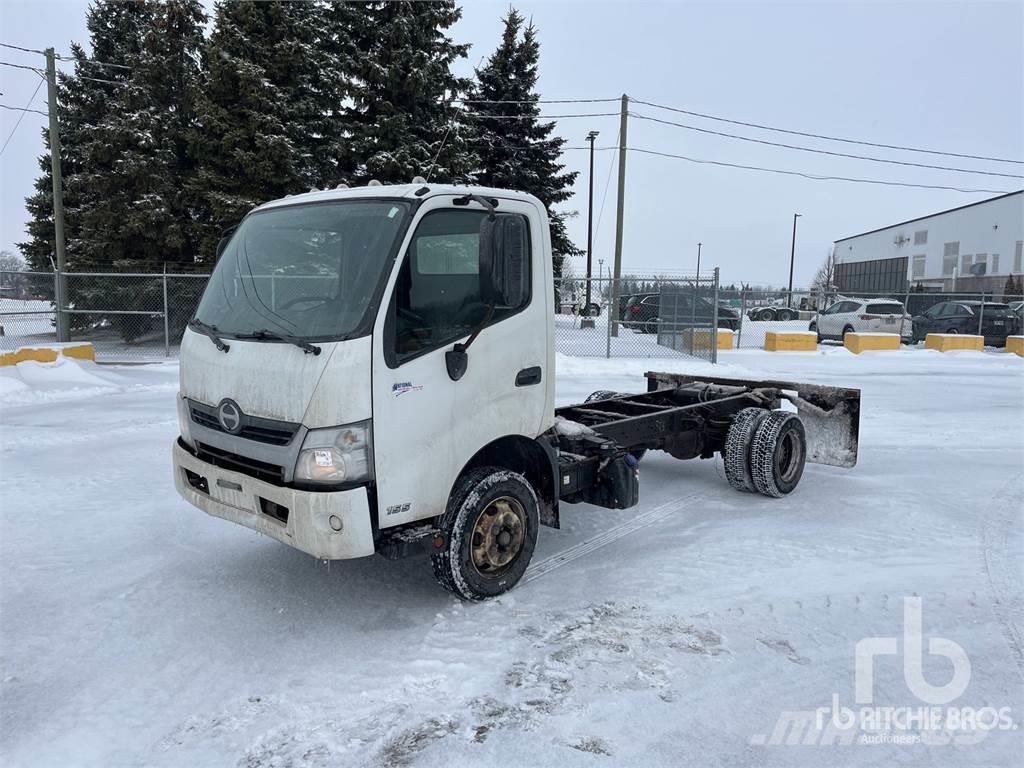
pixel 142 316
pixel 641 317
pixel 126 316
pixel 27 314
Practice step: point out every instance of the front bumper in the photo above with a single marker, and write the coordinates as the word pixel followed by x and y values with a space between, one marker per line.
pixel 237 497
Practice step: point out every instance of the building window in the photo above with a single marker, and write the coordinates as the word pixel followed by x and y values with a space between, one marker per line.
pixel 872 276
pixel 1017 257
pixel 965 264
pixel 981 258
pixel 917 267
pixel 995 264
pixel 948 265
pixel 921 237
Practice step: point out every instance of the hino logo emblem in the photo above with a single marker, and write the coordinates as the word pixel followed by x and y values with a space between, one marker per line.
pixel 230 416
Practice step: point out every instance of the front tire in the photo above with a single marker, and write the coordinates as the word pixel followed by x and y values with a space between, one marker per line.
pixel 778 454
pixel 491 526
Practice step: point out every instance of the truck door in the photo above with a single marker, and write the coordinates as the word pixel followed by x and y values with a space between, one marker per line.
pixel 427 426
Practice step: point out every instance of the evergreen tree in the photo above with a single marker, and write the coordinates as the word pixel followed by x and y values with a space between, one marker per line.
pixel 268 116
pixel 133 205
pixel 406 124
pixel 83 101
pixel 517 153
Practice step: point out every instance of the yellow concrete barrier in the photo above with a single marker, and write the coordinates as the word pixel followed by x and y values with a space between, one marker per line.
pixel 948 342
pixel 791 341
pixel 864 342
pixel 84 351
pixel 1015 344
pixel 700 338
pixel 49 353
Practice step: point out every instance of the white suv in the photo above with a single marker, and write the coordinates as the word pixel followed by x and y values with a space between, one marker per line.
pixel 863 316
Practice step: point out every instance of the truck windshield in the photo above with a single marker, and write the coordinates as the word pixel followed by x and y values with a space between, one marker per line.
pixel 310 271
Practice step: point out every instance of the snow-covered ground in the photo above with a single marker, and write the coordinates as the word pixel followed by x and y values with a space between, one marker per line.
pixel 134 630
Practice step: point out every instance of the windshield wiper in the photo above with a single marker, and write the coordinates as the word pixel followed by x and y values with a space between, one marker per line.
pixel 209 331
pixel 299 342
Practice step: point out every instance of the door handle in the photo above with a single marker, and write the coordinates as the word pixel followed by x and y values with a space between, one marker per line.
pixel 528 376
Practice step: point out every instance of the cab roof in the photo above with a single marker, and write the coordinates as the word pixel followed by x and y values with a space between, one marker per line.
pixel 392 191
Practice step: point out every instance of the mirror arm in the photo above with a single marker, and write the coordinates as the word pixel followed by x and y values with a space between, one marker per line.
pixel 488 204
pixel 456 360
pixel 476 331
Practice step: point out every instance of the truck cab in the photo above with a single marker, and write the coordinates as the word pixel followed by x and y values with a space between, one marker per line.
pixel 371 371
pixel 330 410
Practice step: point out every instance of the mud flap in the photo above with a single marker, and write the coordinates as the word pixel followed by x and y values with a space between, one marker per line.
pixel 831 415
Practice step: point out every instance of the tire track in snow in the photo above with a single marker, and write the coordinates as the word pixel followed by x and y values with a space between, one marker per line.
pixel 614 533
pixel 998 522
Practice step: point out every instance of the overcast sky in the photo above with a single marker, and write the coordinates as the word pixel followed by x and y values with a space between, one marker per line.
pixel 946 76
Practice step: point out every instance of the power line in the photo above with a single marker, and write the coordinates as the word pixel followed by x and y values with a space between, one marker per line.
pixel 22 66
pixel 535 101
pixel 58 56
pixel 537 117
pixel 607 183
pixel 812 176
pixel 19 48
pixel 21 116
pixel 827 138
pixel 25 109
pixel 824 151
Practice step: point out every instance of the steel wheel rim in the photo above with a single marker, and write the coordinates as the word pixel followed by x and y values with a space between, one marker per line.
pixel 498 537
pixel 790 455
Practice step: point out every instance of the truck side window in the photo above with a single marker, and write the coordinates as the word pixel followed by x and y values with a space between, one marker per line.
pixel 437 296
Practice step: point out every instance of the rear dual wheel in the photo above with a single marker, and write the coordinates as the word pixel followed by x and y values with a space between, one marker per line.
pixel 765 452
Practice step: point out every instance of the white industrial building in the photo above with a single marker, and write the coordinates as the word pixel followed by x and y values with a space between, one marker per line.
pixel 970 248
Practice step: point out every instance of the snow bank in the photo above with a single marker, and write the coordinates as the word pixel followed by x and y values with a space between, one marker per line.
pixel 68 379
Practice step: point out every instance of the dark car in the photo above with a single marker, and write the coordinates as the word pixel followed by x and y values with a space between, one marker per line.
pixel 643 312
pixel 997 321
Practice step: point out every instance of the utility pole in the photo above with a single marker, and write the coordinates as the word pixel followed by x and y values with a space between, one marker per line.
pixel 623 119
pixel 58 187
pixel 590 230
pixel 792 254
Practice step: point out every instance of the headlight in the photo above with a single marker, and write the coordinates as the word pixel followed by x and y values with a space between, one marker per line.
pixel 185 422
pixel 336 455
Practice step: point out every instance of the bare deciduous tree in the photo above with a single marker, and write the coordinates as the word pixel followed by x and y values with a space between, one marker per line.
pixel 824 278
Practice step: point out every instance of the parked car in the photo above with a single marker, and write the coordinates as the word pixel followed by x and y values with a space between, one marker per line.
pixel 643 313
pixel 767 313
pixel 850 315
pixel 997 321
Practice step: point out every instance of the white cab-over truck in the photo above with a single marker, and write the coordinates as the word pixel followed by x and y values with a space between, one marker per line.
pixel 372 370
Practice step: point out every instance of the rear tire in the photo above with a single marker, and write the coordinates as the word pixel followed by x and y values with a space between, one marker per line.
pixel 765 315
pixel 778 454
pixel 491 529
pixel 846 330
pixel 738 444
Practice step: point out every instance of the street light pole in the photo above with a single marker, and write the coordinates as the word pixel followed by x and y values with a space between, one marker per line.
pixel 698 263
pixel 590 219
pixel 792 255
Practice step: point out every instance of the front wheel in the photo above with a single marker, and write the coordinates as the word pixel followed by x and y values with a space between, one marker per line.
pixel 491 525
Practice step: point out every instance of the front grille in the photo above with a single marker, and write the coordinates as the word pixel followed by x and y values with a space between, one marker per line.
pixel 253 428
pixel 261 470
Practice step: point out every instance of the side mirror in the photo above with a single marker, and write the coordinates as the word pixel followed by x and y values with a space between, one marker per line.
pixel 504 253
pixel 223 242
